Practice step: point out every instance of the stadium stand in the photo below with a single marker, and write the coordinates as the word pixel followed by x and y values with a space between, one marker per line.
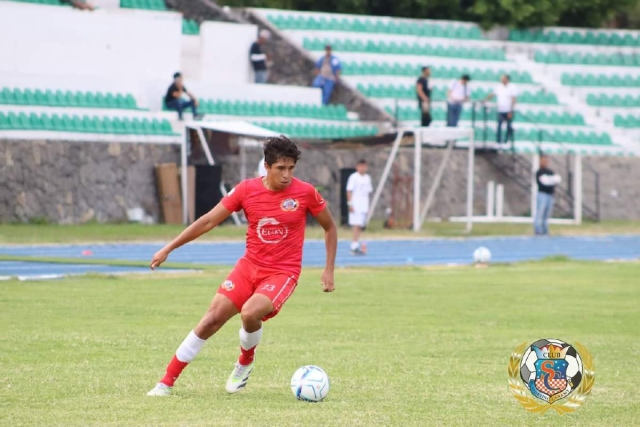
pixel 560 104
pixel 577 37
pixel 382 58
pixel 118 90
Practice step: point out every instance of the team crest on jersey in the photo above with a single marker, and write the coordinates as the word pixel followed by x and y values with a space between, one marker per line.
pixel 289 205
pixel 227 285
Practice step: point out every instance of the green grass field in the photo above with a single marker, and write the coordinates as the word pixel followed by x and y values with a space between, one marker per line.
pixel 95 232
pixel 403 347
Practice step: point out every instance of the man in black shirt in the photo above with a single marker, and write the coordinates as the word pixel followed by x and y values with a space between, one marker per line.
pixel 174 99
pixel 424 96
pixel 547 182
pixel 258 58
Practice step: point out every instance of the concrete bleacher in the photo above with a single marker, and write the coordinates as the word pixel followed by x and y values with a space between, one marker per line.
pixel 382 57
pixel 578 88
pixel 109 82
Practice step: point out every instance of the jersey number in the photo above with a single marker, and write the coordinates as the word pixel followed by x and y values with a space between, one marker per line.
pixel 269 288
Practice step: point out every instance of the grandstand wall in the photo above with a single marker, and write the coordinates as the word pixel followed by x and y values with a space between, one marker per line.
pixel 74 182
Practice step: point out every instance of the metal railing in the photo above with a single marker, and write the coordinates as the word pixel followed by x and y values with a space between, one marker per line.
pixel 484 117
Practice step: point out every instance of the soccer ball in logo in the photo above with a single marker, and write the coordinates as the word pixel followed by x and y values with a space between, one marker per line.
pixel 551 369
pixel 482 255
pixel 310 384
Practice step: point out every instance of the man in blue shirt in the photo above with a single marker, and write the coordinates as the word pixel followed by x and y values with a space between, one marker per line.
pixel 327 71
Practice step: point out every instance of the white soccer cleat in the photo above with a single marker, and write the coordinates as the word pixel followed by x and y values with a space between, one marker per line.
pixel 239 377
pixel 160 390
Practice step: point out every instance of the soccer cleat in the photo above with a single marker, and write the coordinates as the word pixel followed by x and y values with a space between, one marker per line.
pixel 239 377
pixel 160 390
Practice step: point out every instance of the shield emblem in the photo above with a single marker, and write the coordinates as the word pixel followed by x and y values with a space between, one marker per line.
pixel 551 378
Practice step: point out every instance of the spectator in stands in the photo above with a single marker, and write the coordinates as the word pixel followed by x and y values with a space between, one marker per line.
pixel 327 72
pixel 457 94
pixel 176 98
pixel 424 96
pixel 79 4
pixel 547 182
pixel 506 95
pixel 259 58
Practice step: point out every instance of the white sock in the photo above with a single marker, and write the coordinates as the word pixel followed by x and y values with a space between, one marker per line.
pixel 248 340
pixel 354 245
pixel 189 348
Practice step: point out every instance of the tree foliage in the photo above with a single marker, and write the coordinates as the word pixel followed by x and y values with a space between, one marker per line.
pixel 488 13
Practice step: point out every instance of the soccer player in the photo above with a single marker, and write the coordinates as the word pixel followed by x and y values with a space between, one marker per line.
pixel 264 278
pixel 358 190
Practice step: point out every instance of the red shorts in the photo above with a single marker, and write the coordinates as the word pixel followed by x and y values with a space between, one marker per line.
pixel 247 279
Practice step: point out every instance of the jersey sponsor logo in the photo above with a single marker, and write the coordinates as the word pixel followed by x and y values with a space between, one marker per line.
pixel 227 285
pixel 271 231
pixel 289 205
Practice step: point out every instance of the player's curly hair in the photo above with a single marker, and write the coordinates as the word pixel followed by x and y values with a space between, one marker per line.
pixel 280 147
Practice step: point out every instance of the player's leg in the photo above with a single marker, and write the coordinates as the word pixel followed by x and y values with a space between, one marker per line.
pixel 266 302
pixel 228 301
pixel 539 214
pixel 357 222
pixel 219 312
pixel 547 213
pixel 510 128
pixel 355 240
pixel 257 307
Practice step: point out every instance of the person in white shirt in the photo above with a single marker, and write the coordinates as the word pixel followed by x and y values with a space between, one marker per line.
pixel 506 95
pixel 358 190
pixel 457 94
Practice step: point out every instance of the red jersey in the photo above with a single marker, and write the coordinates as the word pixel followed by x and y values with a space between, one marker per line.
pixel 277 221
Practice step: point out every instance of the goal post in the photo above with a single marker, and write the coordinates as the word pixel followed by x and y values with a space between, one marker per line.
pixel 448 137
pixel 463 138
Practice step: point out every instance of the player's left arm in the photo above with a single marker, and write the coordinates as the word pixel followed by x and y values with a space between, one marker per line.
pixel 331 242
pixel 203 225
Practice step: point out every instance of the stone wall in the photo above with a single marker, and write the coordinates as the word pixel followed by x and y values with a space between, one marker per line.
pixel 321 166
pixel 202 10
pixel 73 182
pixel 619 186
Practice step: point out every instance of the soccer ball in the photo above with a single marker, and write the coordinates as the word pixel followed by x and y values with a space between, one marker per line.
pixel 310 384
pixel 482 255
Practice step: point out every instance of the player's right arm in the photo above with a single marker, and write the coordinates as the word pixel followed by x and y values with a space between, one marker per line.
pixel 203 225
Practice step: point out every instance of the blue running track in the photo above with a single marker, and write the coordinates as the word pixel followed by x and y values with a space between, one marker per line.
pixel 42 270
pixel 380 252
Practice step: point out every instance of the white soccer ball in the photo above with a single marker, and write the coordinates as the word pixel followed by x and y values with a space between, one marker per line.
pixel 482 255
pixel 310 384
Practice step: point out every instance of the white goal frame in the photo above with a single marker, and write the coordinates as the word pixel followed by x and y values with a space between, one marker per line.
pixel 430 136
pixel 439 137
pixel 495 199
